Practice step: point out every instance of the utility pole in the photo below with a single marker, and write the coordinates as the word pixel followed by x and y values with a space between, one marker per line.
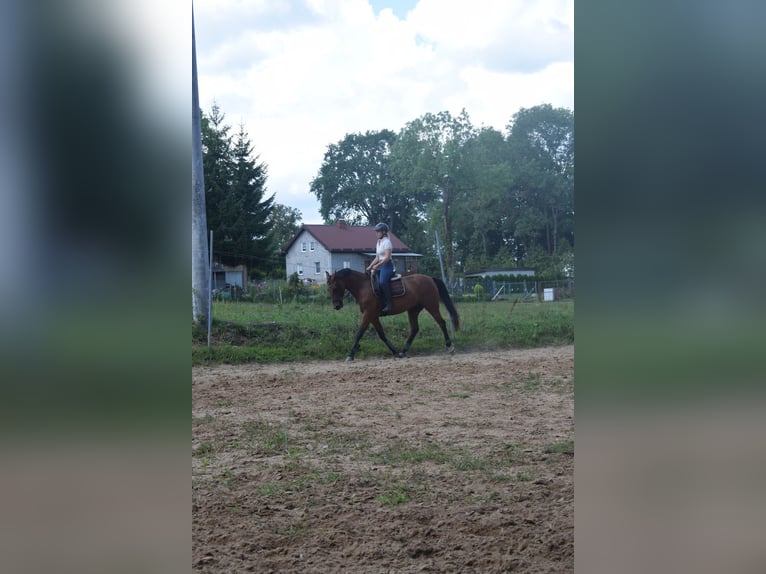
pixel 200 269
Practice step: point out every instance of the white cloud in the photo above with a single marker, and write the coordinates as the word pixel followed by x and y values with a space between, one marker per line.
pixel 300 76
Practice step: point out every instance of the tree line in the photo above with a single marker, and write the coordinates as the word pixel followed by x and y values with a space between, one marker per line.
pixel 496 200
pixel 500 200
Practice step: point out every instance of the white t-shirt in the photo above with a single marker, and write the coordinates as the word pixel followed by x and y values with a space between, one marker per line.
pixel 383 244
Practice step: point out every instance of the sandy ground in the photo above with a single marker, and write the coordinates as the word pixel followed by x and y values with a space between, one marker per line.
pixel 441 463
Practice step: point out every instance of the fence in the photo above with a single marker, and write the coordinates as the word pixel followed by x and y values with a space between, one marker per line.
pixel 491 290
pixel 278 291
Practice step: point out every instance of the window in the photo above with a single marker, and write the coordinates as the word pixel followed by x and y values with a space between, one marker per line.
pixel 299 269
pixel 313 246
pixel 346 264
pixel 317 269
pixel 303 246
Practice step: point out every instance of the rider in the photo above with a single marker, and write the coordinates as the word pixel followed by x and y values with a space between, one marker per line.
pixel 383 262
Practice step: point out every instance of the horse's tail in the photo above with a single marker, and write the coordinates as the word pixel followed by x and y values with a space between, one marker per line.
pixel 447 300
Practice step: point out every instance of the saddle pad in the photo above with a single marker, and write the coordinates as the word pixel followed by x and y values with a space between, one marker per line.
pixel 397 286
pixel 396 283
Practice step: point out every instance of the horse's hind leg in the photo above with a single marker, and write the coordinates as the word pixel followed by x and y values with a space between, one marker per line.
pixel 414 328
pixel 442 325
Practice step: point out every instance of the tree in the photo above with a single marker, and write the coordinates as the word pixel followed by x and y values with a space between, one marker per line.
pixel 541 147
pixel 249 229
pixel 218 166
pixel 285 223
pixel 238 213
pixel 355 182
pixel 429 160
pixel 495 200
pixel 481 215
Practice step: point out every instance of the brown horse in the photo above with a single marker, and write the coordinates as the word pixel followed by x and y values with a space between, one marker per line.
pixel 421 292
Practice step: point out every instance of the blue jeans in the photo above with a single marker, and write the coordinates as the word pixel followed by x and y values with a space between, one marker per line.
pixel 386 270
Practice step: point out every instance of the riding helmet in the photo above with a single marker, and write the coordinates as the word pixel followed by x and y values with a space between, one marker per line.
pixel 381 227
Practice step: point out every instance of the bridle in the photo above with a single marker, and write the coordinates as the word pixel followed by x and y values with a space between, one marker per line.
pixel 337 303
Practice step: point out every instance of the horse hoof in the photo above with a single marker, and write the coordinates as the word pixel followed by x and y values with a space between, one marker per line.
pixel 349 359
pixel 451 349
pixel 401 355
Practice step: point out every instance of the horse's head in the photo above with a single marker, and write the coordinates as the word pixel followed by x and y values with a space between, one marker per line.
pixel 336 289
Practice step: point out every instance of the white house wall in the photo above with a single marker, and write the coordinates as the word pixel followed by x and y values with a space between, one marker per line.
pixel 356 261
pixel 307 260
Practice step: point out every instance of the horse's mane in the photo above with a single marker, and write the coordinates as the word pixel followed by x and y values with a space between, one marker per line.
pixel 345 272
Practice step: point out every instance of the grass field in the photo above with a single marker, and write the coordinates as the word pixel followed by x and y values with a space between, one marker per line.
pixel 263 332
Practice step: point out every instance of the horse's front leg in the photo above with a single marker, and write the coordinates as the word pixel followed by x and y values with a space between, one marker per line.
pixel 359 333
pixel 382 335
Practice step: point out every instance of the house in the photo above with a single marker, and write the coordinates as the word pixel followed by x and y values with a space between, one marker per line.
pixel 319 248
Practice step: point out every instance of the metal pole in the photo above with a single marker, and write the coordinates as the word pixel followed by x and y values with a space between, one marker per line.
pixel 210 293
pixel 444 279
pixel 439 252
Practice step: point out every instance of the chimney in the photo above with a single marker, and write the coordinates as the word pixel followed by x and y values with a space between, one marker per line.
pixel 340 224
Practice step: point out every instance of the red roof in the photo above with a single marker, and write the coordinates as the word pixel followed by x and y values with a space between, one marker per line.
pixel 340 237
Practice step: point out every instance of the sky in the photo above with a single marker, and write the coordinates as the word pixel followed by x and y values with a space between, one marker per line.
pixel 300 75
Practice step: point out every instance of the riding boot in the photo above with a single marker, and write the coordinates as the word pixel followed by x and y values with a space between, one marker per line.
pixel 385 289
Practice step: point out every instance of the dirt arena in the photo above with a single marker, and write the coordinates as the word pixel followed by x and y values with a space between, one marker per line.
pixel 436 463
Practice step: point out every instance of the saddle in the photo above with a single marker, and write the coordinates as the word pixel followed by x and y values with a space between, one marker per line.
pixel 396 284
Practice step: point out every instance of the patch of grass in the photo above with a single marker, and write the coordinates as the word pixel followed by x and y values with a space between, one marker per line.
pixel 203 450
pixel 400 453
pixel 265 437
pixel 270 489
pixel 395 495
pixel 308 478
pixel 347 443
pixel 564 447
pixel 295 531
pixel 227 478
pixel 471 462
pixel 316 423
pixel 459 395
pixel 561 386
pixel 512 454
pixel 533 381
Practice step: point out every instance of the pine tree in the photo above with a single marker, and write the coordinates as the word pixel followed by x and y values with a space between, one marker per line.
pixel 237 212
pixel 248 211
